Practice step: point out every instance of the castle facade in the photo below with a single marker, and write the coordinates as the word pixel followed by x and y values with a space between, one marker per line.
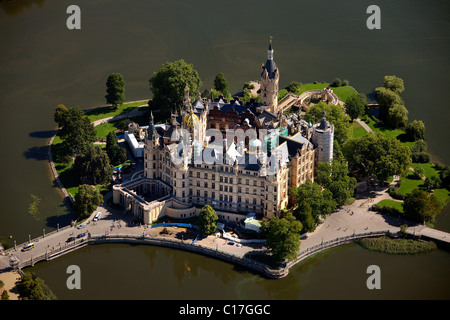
pixel 238 158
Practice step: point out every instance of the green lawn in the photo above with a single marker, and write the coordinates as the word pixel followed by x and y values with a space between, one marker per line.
pixel 391 203
pixel 388 132
pixel 358 131
pixel 105 112
pixel 409 183
pixel 341 92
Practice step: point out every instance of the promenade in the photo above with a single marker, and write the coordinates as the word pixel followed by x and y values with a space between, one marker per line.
pixel 341 227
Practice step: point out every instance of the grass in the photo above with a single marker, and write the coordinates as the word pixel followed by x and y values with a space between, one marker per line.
pixel 388 132
pixel 391 203
pixel 409 183
pixel 341 92
pixel 104 112
pixel 358 130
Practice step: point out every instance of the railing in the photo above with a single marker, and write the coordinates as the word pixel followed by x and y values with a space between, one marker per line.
pixel 37 239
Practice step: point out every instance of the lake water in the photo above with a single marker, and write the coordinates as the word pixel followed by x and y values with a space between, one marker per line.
pixel 44 64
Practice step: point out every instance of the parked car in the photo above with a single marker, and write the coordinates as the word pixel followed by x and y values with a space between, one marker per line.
pixel 70 239
pixel 231 242
pixel 97 216
pixel 81 235
pixel 81 226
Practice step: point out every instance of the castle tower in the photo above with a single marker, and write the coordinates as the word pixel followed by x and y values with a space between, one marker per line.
pixel 270 77
pixel 323 138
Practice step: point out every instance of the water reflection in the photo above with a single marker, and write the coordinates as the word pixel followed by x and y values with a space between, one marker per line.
pixel 16 7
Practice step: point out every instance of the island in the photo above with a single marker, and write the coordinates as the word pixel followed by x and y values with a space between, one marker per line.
pixel 263 178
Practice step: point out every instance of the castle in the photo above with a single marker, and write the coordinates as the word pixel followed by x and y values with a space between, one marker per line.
pixel 238 158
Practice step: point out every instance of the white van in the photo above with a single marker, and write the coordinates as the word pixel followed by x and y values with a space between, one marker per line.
pixel 97 216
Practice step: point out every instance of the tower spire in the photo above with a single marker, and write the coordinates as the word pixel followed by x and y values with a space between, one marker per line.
pixel 270 50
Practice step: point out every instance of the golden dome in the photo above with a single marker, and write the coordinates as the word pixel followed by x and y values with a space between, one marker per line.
pixel 190 120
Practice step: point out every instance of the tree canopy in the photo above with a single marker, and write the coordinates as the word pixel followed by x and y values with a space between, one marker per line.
pixel 60 114
pixel 31 287
pixel 169 82
pixel 115 90
pixel 335 177
pixel 320 200
pixel 355 105
pixel 76 130
pixel 392 108
pixel 116 153
pixel 87 200
pixel 221 84
pixel 421 206
pixel 394 84
pixel 415 130
pixel 207 220
pixel 94 165
pixel 283 236
pixel 375 154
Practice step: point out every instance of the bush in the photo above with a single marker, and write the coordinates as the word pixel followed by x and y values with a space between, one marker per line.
pixel 336 83
pixel 420 157
pixel 387 210
pixel 67 159
pixel 345 83
pixel 394 193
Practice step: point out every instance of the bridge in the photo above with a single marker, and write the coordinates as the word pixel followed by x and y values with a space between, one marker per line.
pixel 291 99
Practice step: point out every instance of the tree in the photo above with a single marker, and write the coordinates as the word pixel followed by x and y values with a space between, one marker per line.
pixel 31 287
pixel 321 201
pixel 77 132
pixel 355 105
pixel 221 84
pixel 303 213
pixel 87 200
pixel 375 154
pixel 116 153
pixel 60 114
pixel 386 99
pixel 415 130
pixel 397 116
pixel 169 82
pixel 294 86
pixel 336 82
pixel 207 220
pixel 421 206
pixel 115 90
pixel 335 115
pixel 94 165
pixel 283 236
pixel 335 177
pixel 394 84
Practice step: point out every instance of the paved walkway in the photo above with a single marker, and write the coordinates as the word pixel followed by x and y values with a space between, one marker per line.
pixel 364 125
